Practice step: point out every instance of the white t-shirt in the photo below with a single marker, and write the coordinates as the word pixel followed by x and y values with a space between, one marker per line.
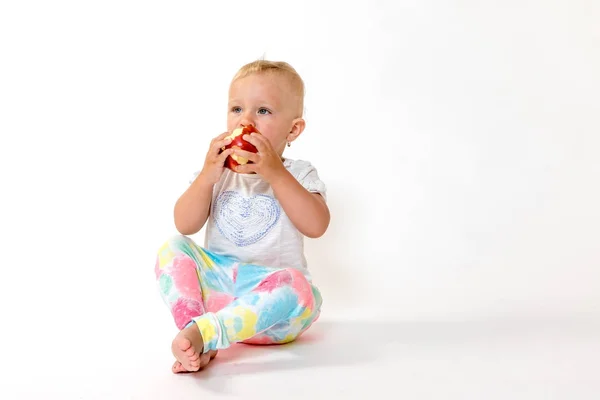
pixel 247 223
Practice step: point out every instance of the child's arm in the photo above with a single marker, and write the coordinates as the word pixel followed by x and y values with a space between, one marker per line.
pixel 193 206
pixel 307 211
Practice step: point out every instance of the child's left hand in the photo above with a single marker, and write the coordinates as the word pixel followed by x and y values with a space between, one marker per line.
pixel 266 162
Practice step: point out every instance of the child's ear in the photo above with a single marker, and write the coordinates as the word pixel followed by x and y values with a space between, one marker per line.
pixel 298 126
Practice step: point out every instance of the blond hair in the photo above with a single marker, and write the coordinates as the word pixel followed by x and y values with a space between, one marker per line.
pixel 276 67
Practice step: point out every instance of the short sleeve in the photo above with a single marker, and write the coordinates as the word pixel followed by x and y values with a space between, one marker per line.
pixel 308 176
pixel 193 177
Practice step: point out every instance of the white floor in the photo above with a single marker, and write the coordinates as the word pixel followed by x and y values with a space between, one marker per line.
pixel 508 358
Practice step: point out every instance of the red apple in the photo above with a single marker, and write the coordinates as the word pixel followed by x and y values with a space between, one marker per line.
pixel 237 142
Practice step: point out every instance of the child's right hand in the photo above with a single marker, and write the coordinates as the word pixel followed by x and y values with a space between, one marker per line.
pixel 214 162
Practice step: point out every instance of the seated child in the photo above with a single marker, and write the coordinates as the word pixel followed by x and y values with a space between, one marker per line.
pixel 250 282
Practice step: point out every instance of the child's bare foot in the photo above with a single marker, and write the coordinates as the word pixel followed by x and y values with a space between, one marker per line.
pixel 204 360
pixel 187 348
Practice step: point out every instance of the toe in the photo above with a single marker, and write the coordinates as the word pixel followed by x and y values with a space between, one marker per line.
pixel 190 352
pixel 178 368
pixel 185 344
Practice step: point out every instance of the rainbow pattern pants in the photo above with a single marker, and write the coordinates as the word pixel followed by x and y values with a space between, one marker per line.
pixel 233 302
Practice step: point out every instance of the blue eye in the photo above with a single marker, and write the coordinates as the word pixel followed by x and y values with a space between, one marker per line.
pixel 236 109
pixel 260 111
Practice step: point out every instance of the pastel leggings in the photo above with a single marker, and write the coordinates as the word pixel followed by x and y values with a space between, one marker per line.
pixel 233 302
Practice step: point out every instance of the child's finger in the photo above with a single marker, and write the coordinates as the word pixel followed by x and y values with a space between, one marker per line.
pixel 247 154
pixel 221 136
pixel 258 141
pixel 219 144
pixel 221 157
pixel 245 169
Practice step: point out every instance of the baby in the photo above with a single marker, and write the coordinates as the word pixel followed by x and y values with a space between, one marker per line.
pixel 249 283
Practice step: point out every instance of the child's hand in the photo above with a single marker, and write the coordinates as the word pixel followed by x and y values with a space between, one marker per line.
pixel 213 164
pixel 266 162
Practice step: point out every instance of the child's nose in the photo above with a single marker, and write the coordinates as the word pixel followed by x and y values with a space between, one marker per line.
pixel 246 120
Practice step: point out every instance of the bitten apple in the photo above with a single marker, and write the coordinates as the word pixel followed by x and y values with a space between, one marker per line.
pixel 237 142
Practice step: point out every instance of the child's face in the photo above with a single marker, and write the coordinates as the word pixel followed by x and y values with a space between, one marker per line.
pixel 266 101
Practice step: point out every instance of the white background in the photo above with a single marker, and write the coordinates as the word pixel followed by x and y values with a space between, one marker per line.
pixel 459 140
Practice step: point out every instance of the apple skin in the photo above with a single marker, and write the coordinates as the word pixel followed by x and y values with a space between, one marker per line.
pixel 233 161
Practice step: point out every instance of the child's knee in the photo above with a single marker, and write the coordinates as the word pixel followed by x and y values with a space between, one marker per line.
pixel 176 243
pixel 304 290
pixel 172 247
pixel 298 284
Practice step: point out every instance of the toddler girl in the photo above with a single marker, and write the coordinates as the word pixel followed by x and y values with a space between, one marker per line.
pixel 249 283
